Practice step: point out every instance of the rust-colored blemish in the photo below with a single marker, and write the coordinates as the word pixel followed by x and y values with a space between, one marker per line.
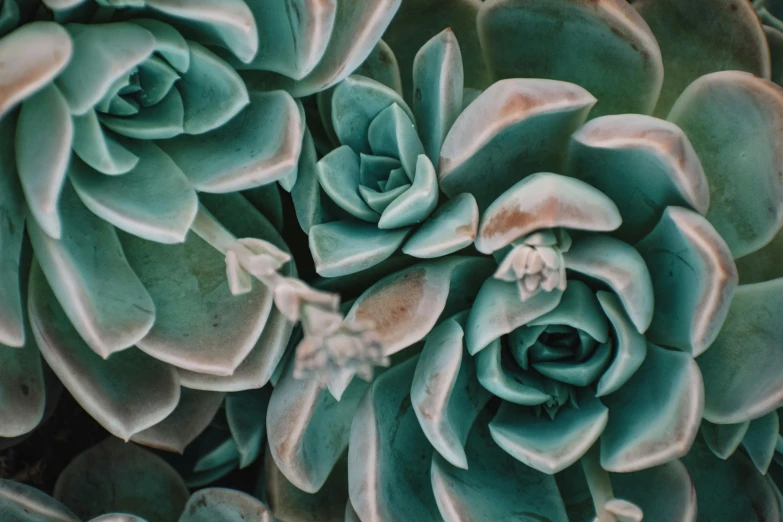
pixel 395 304
pixel 465 230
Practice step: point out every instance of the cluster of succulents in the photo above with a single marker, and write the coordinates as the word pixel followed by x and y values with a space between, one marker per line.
pixel 414 260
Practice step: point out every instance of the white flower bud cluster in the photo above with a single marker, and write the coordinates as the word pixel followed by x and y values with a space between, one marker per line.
pixel 536 263
pixel 330 345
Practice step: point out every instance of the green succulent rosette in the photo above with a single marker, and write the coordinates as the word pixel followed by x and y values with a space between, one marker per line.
pixel 154 286
pixel 118 482
pixel 376 193
pixel 564 372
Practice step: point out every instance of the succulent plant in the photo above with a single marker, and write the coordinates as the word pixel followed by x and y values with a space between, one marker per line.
pixel 604 315
pixel 118 482
pixel 127 134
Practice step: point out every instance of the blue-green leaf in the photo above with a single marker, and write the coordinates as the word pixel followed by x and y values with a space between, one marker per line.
pixel 655 416
pixel 44 132
pixel 344 247
pixel 225 505
pixel 450 228
pixel 90 275
pixel 604 47
pixel 549 445
pixel 126 393
pixel 643 164
pixel 733 120
pixel 693 277
pixel 496 486
pixel 102 54
pixel 513 129
pixel 437 90
pixel 229 23
pixel 153 201
pixel 261 145
pixel 121 477
pixel 194 411
pixel 445 394
pixel 544 200
pixel 719 35
pixel 21 503
pixel 212 92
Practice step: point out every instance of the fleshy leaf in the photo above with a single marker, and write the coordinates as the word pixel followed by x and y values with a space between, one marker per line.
pixel 22 389
pixel 605 47
pixel 498 310
pixel 549 445
pixel 294 505
pixel 308 429
pixel 417 202
pixel 655 415
pixel 225 505
pixel 731 489
pixel 102 54
pixel 358 26
pixel 246 415
pixel 344 247
pixel 22 503
pixel 90 275
pixel 44 119
pixel 192 415
pixel 339 175
pixel 741 373
pixel 257 367
pixel 723 439
pixel 529 120
pixel 259 146
pixel 542 201
pixel 733 120
pixel 763 264
pixel 630 347
pixel 621 268
pixel 121 477
pixel 100 149
pixel 47 50
pixel 495 487
pixel 381 65
pixel 386 478
pixel 694 279
pixel 578 308
pixel 126 393
pixel 643 164
pixel 228 22
pixel 693 43
pixel 760 440
pixel 160 121
pixel 356 101
pixel 178 276
pixel 437 90
pixel 169 43
pixel 294 35
pixel 445 394
pixel 452 227
pixel 212 92
pixel 12 331
pixel 406 305
pixel 507 381
pixel 153 200
pixel 663 493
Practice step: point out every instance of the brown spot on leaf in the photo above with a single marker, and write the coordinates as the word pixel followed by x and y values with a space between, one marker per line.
pixel 394 305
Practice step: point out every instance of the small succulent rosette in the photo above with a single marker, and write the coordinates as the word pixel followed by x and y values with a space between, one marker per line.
pixel 566 371
pixel 376 193
pixel 154 286
pixel 119 482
